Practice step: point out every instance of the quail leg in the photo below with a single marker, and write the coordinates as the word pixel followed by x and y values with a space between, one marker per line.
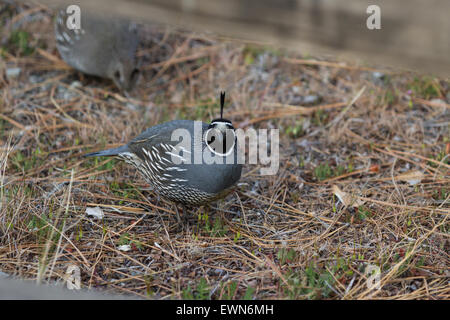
pixel 185 217
pixel 178 214
pixel 81 76
pixel 182 223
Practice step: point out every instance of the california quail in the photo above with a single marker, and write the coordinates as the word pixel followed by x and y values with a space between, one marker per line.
pixel 101 47
pixel 189 181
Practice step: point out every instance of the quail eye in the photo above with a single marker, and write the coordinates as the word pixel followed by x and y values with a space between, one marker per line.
pixel 117 75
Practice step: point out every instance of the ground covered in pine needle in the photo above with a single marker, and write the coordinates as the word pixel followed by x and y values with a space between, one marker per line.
pixel 363 181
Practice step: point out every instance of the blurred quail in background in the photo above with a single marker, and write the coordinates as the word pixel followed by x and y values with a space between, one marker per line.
pixel 174 171
pixel 103 47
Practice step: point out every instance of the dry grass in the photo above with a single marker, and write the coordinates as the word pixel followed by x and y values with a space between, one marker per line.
pixel 275 237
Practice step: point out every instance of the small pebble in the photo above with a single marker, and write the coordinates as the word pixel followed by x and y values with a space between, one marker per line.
pixel 296 89
pixel 378 75
pixel 95 212
pixel 76 84
pixel 13 72
pixel 131 106
pixel 310 99
pixel 124 247
pixel 378 78
pixel 35 79
pixel 439 102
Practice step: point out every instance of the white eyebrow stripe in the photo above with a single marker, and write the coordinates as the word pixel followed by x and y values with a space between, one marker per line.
pixel 221 122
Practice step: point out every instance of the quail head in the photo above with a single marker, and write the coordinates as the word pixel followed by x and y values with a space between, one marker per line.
pixel 187 162
pixel 103 47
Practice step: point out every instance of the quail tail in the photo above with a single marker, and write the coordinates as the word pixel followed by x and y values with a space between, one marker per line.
pixel 108 152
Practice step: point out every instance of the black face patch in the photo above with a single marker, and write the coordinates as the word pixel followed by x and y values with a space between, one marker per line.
pixel 220 142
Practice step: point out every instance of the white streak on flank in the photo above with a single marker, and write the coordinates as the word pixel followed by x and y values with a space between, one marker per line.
pixel 176 155
pixel 127 154
pixel 149 169
pixel 64 48
pixel 131 156
pixel 59 37
pixel 67 37
pixel 184 150
pixel 147 163
pixel 167 160
pixel 149 155
pixel 153 166
pixel 176 168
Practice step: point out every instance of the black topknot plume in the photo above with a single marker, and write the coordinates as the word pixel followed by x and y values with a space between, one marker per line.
pixel 222 103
